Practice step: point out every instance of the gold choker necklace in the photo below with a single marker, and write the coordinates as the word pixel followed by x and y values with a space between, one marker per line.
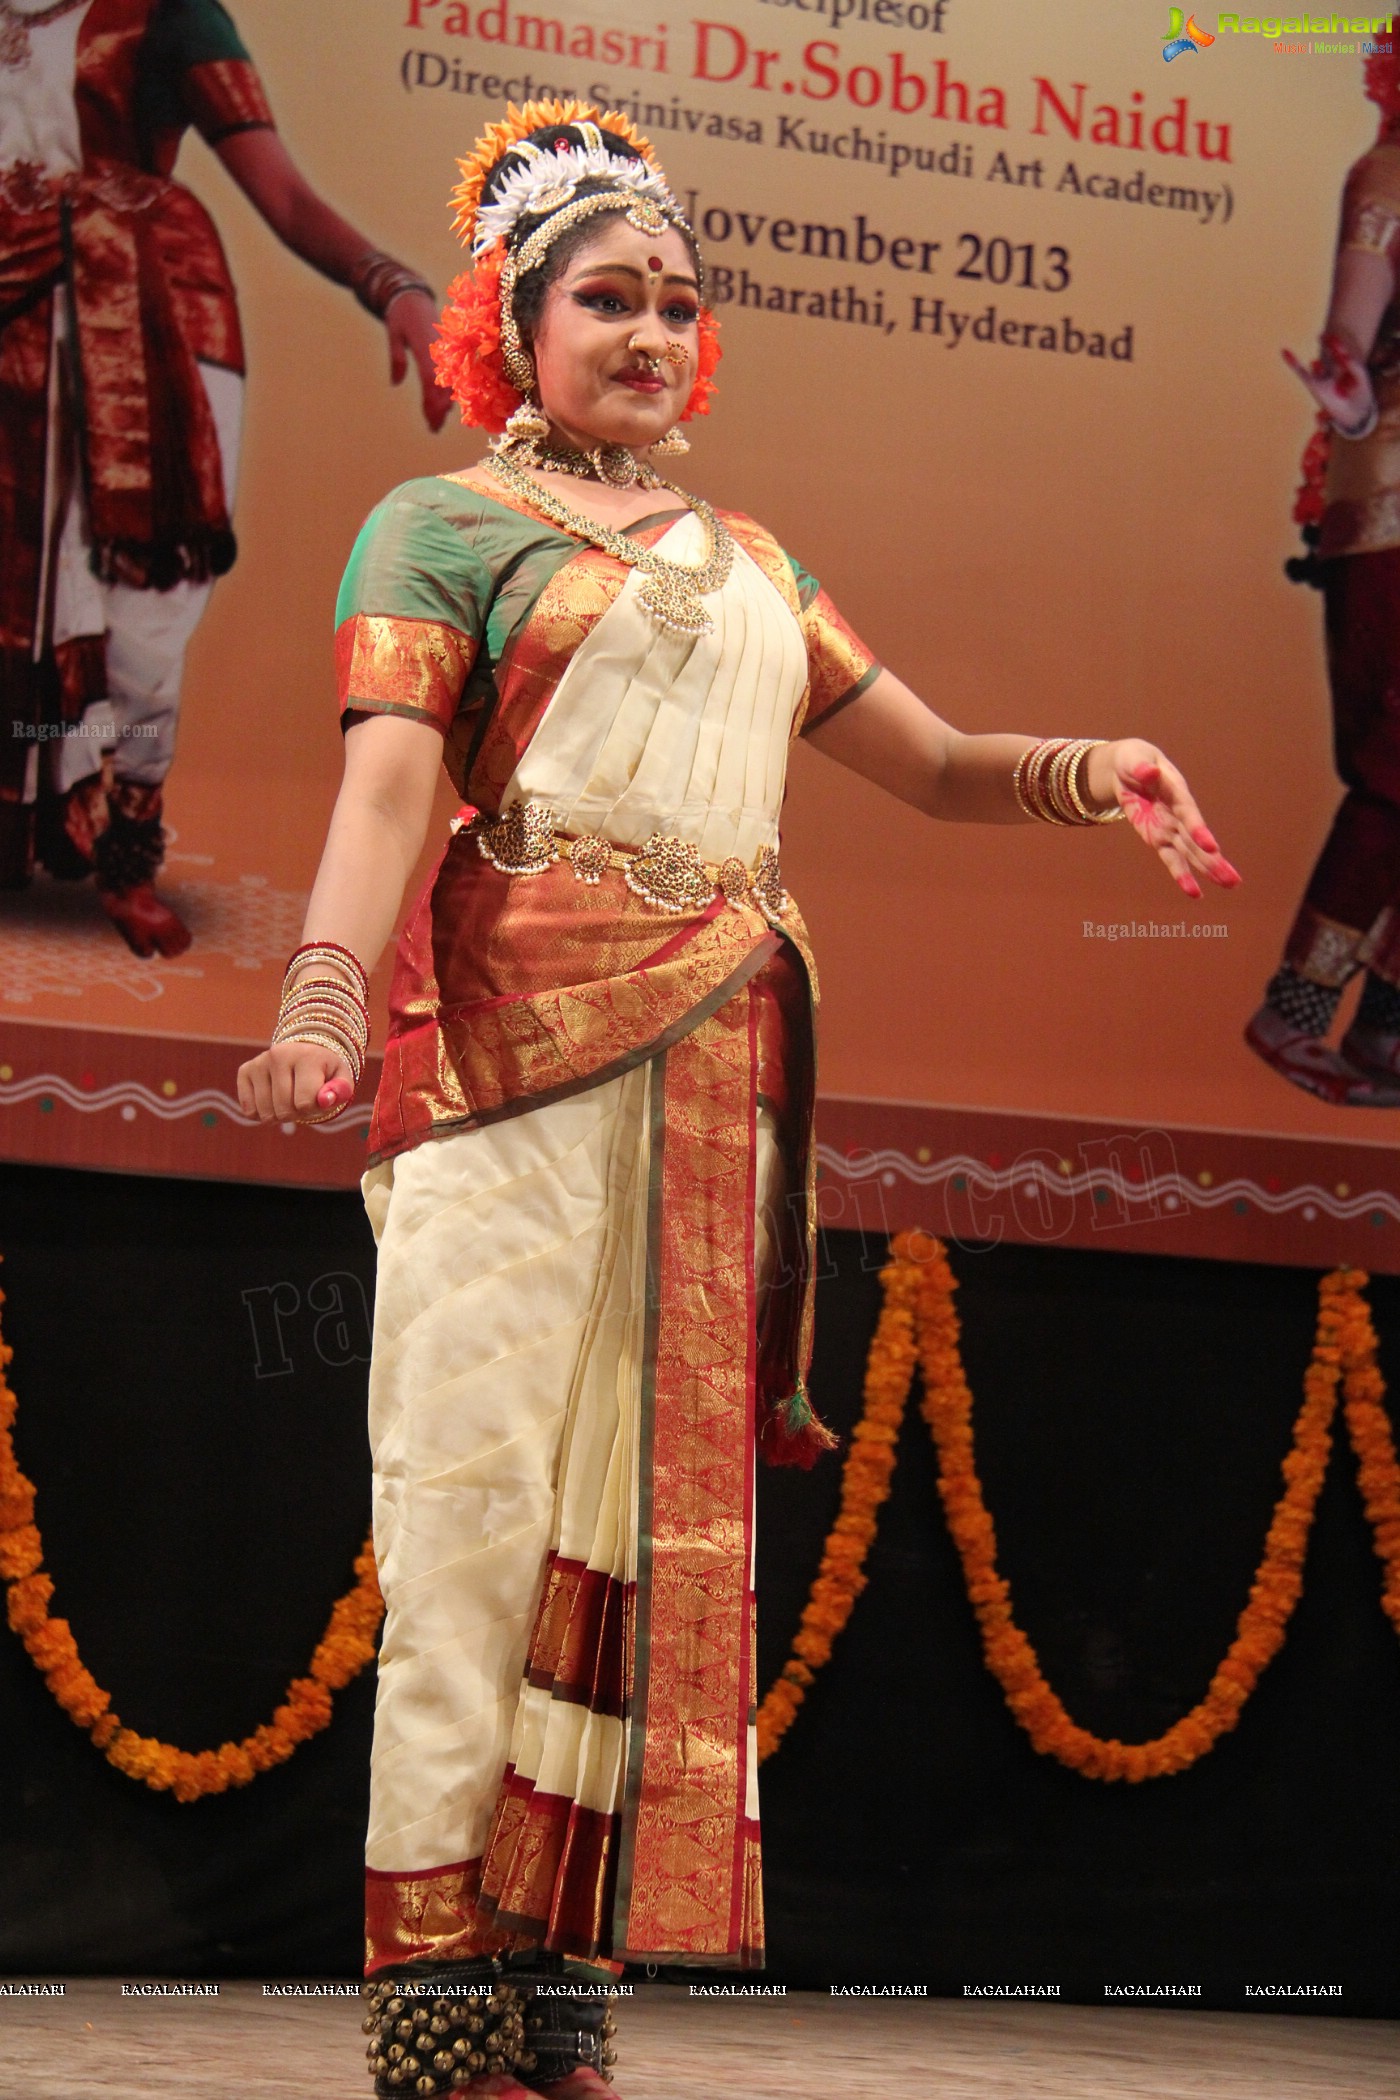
pixel 613 465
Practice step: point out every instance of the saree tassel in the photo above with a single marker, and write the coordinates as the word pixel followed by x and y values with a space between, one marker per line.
pixel 792 1433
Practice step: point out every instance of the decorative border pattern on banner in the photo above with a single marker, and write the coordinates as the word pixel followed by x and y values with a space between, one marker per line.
pixel 131 1097
pixel 1156 1194
pixel 132 1103
pixel 978 1176
pixel 147 1104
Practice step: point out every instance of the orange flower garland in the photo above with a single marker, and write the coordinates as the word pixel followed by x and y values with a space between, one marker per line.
pixel 947 1407
pixel 919 1279
pixel 1372 1439
pixel 918 1324
pixel 467 348
pixel 345 1648
pixel 865 1482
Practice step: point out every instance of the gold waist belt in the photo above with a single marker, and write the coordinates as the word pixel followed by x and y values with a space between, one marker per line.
pixel 668 872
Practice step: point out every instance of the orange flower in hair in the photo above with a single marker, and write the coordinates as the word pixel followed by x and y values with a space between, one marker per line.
pixel 467 352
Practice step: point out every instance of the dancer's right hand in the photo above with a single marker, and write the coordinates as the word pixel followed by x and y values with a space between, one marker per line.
pixel 1339 383
pixel 294 1082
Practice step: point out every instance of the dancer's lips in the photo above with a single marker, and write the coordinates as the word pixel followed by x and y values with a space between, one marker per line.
pixel 642 382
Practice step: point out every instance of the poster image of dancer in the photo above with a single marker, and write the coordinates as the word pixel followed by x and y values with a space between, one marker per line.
pixel 1349 918
pixel 937 330
pixel 121 397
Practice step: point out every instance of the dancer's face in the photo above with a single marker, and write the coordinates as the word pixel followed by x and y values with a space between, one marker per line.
pixel 622 289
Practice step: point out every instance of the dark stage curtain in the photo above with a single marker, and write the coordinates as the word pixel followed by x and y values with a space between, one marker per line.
pixel 190 1363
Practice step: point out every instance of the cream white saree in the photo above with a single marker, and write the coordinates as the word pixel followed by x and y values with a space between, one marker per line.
pixel 568 1356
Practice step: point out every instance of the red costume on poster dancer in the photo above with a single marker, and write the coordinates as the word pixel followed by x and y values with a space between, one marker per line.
pixel 121 383
pixel 1349 921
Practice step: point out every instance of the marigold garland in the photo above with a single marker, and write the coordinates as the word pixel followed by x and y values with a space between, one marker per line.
pixel 918 1327
pixel 865 1482
pixel 346 1646
pixel 1372 1440
pixel 919 1282
pixel 947 1407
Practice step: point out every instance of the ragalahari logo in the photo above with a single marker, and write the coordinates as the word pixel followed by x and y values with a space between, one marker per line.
pixel 1184 34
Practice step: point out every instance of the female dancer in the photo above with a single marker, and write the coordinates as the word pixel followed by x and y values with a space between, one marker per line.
pixel 594 1286
pixel 121 379
pixel 1348 923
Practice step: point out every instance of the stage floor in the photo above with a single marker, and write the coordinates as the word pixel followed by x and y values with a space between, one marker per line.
pixel 96 2044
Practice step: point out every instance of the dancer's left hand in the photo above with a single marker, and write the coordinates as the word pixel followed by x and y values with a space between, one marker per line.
pixel 410 322
pixel 1159 805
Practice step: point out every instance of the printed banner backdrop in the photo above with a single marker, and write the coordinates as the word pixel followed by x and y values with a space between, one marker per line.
pixel 1002 299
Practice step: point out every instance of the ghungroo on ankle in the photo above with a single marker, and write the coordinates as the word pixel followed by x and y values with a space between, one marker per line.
pixel 434 2029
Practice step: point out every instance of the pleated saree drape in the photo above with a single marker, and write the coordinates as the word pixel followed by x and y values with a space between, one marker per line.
pixel 568 1354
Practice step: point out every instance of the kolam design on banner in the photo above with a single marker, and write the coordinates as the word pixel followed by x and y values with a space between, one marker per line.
pixel 1002 298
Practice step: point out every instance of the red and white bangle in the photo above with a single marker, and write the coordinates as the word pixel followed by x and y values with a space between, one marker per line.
pixel 335 957
pixel 330 1010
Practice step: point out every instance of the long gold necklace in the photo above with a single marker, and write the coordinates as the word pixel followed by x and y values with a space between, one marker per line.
pixel 672 590
pixel 16 49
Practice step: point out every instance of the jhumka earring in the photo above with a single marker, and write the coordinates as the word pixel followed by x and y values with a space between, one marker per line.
pixel 529 421
pixel 523 432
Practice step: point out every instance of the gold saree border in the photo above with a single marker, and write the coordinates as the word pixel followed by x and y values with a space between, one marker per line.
pixel 568 608
pixel 577 1647
pixel 689 1862
pixel 224 95
pixel 395 666
pixel 431 1915
pixel 549 1869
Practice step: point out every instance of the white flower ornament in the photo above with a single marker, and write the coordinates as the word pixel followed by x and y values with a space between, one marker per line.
pixel 549 180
